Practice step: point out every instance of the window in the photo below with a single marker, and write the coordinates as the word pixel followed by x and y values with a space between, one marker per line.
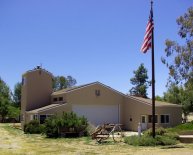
pixel 143 119
pixel 23 80
pixel 60 98
pixel 35 117
pixel 165 119
pixel 150 118
pixel 55 99
pixel 42 119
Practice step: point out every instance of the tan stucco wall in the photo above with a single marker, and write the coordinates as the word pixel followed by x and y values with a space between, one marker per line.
pixel 175 114
pixel 86 96
pixel 134 109
pixel 36 91
pixel 57 96
pixel 54 111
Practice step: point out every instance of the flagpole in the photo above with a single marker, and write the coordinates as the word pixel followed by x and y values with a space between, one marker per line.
pixel 153 80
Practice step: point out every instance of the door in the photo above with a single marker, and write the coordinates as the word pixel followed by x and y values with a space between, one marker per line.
pixel 98 114
pixel 143 122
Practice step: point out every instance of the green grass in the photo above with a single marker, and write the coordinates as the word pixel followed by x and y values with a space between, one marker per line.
pixel 182 128
pixel 14 131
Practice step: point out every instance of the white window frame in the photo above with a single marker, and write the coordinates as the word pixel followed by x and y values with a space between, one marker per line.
pixel 35 117
pixel 145 118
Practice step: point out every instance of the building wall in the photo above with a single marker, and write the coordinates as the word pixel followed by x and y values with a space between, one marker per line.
pixel 54 111
pixel 87 96
pixel 58 96
pixel 134 109
pixel 36 90
pixel 132 112
pixel 175 114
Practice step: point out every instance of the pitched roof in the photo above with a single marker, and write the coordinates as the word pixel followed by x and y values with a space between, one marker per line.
pixel 67 90
pixel 51 106
pixel 157 103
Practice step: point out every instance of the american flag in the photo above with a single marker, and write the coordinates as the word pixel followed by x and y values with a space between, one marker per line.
pixel 147 42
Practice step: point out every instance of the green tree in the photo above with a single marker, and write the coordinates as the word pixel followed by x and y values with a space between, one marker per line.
pixel 180 95
pixel 4 108
pixel 4 90
pixel 159 98
pixel 61 82
pixel 70 81
pixel 179 58
pixel 140 82
pixel 17 94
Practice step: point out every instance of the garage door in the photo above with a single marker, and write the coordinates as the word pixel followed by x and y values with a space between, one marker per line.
pixel 98 114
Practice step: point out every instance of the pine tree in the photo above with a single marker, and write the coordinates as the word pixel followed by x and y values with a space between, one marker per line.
pixel 140 82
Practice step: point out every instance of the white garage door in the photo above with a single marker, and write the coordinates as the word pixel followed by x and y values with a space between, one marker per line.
pixel 98 114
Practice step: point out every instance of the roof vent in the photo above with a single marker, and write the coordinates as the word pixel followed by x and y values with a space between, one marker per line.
pixel 38 67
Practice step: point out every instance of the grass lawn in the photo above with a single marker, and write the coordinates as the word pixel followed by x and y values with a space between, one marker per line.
pixel 14 141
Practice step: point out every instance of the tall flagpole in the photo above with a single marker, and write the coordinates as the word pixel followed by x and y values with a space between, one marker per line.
pixel 153 78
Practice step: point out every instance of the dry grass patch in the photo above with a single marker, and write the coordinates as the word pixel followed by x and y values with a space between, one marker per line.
pixel 14 141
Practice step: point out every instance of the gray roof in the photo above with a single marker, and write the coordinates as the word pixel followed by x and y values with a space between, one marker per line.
pixel 51 106
pixel 157 103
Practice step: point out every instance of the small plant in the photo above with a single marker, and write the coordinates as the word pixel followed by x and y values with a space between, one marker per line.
pixel 159 131
pixel 162 138
pixel 33 127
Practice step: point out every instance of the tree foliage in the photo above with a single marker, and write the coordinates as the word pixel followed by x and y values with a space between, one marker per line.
pixel 180 95
pixel 140 82
pixel 7 108
pixel 4 90
pixel 179 58
pixel 4 108
pixel 61 82
pixel 17 94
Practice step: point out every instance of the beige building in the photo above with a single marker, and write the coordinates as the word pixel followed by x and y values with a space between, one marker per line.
pixel 97 102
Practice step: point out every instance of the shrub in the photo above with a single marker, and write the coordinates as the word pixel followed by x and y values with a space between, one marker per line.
pixel 52 127
pixel 149 141
pixel 165 140
pixel 33 127
pixel 159 131
pixel 163 137
pixel 140 141
pixel 67 123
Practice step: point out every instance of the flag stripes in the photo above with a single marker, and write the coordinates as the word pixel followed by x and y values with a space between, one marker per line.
pixel 148 35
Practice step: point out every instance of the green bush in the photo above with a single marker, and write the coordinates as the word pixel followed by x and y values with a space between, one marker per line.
pixel 159 131
pixel 140 141
pixel 165 140
pixel 33 127
pixel 52 126
pixel 163 137
pixel 182 128
pixel 149 141
pixel 69 122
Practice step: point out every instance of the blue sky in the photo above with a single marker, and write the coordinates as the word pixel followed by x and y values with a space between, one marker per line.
pixel 92 40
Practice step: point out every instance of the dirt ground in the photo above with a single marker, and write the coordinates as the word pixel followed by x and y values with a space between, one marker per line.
pixel 13 141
